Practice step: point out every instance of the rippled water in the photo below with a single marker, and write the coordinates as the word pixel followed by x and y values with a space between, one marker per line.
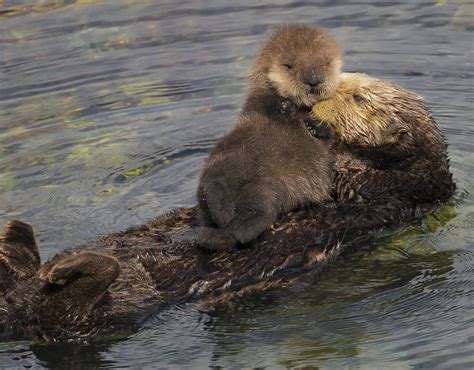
pixel 107 110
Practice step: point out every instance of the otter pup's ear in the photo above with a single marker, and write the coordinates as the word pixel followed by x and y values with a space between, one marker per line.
pixel 19 256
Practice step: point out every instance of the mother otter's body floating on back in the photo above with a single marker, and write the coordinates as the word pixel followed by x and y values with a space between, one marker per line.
pixel 111 284
pixel 270 163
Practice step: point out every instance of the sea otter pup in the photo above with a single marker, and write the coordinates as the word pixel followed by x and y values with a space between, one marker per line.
pixel 270 163
pixel 384 131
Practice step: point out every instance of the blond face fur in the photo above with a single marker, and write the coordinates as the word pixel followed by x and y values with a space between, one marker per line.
pixel 371 112
pixel 301 62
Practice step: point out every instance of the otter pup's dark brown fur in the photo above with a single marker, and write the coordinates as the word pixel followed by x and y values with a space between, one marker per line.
pixel 269 163
pixel 260 170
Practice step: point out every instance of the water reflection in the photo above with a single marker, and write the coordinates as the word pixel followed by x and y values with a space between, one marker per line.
pixel 107 111
pixel 339 317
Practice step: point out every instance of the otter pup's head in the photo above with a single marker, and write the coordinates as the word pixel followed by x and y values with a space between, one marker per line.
pixel 366 111
pixel 301 62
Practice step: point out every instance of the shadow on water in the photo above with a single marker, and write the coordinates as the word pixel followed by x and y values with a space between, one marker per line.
pixel 107 111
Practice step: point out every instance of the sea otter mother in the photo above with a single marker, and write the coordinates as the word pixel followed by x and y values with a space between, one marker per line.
pixel 392 161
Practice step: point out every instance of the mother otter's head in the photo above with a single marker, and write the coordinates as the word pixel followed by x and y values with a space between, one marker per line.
pixel 392 147
pixel 369 112
pixel 301 62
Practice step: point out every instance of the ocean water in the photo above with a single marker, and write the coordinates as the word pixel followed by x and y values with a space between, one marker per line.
pixel 107 111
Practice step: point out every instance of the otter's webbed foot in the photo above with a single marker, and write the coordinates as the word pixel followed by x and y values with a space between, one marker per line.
pixel 19 256
pixel 218 202
pixel 256 208
pixel 70 287
pixel 247 226
pixel 93 265
pixel 244 228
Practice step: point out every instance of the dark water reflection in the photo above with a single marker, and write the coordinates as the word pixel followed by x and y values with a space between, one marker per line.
pixel 107 110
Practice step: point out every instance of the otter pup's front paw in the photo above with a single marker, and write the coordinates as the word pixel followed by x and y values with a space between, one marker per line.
pixel 288 108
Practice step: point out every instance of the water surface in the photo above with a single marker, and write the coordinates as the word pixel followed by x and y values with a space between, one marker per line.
pixel 107 111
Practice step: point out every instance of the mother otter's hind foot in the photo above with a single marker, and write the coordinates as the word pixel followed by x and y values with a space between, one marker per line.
pixel 99 267
pixel 19 256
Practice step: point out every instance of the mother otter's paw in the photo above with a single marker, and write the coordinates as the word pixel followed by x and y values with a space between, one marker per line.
pixel 93 266
pixel 19 256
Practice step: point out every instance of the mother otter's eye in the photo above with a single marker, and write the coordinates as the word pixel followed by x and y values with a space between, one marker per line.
pixel 359 99
pixel 402 133
pixel 287 66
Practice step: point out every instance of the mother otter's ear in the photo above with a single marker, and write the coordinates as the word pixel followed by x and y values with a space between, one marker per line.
pixel 19 256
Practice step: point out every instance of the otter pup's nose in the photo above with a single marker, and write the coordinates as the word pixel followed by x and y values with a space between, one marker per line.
pixel 313 81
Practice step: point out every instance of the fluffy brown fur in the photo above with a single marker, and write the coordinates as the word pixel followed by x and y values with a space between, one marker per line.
pixel 269 164
pixel 110 285
pixel 258 171
pixel 301 63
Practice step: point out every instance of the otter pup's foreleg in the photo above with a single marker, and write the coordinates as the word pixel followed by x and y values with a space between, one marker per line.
pixel 19 256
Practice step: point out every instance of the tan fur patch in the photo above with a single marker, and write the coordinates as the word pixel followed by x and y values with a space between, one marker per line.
pixel 365 110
